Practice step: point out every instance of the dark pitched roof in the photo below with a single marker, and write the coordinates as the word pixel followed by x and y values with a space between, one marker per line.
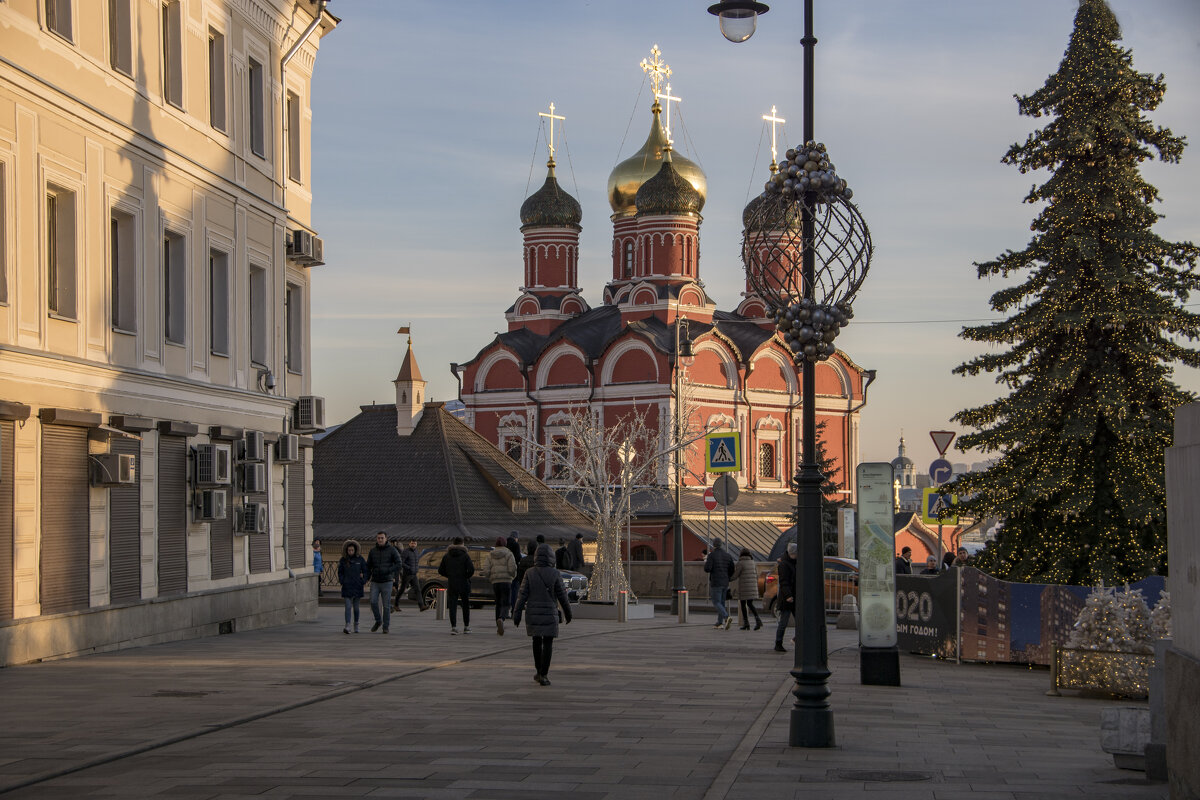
pixel 443 478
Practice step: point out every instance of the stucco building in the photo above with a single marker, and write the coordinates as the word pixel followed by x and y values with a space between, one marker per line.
pixel 155 242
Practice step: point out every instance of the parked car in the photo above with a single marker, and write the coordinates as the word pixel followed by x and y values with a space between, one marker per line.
pixel 576 583
pixel 841 578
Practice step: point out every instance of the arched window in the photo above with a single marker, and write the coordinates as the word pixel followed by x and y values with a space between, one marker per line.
pixel 643 552
pixel 628 259
pixel 766 460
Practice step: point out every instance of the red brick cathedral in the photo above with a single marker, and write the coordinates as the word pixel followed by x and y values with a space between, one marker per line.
pixel 561 354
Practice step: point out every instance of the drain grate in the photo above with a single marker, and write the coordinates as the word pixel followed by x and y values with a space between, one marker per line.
pixel 178 693
pixel 881 776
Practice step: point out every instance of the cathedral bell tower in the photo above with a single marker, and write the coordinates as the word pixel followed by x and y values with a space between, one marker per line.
pixel 410 391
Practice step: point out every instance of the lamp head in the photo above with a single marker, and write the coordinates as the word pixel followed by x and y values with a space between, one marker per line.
pixel 738 18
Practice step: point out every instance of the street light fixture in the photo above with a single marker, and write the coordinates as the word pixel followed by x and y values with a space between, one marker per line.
pixel 738 18
pixel 805 208
pixel 683 355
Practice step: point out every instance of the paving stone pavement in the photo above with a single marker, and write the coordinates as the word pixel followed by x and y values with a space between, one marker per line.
pixel 647 709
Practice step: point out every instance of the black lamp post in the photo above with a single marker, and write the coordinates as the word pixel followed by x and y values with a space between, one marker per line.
pixel 683 352
pixel 805 208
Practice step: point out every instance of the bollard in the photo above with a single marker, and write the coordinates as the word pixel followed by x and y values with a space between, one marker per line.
pixel 683 606
pixel 439 602
pixel 848 618
pixel 623 606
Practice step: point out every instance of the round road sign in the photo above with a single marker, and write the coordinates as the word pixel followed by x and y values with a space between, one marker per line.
pixel 725 489
pixel 710 499
pixel 941 471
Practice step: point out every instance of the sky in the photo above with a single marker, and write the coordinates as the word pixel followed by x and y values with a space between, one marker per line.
pixel 426 139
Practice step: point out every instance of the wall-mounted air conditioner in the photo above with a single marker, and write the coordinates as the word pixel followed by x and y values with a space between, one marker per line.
pixel 213 464
pixel 252 518
pixel 254 478
pixel 287 449
pixel 210 504
pixel 306 249
pixel 114 469
pixel 309 414
pixel 253 447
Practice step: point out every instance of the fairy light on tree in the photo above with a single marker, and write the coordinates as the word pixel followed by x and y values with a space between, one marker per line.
pixel 1092 334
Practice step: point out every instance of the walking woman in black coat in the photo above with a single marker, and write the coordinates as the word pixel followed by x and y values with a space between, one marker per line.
pixel 540 596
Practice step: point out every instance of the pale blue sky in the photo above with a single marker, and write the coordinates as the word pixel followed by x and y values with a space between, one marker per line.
pixel 425 128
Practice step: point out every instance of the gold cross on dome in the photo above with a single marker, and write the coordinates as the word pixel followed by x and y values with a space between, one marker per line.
pixel 657 68
pixel 773 119
pixel 669 99
pixel 552 116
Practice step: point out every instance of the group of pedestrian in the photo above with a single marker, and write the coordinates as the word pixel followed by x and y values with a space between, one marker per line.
pixel 904 565
pixel 385 566
pixel 725 577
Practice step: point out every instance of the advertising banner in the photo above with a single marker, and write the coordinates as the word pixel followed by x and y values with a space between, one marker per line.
pixel 876 555
pixel 927 613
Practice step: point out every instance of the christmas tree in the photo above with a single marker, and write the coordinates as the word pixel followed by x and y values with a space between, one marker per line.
pixel 829 492
pixel 1160 617
pixel 1101 624
pixel 1087 350
pixel 1135 612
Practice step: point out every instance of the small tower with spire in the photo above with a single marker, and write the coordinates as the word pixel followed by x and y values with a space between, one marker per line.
pixel 410 390
pixel 904 470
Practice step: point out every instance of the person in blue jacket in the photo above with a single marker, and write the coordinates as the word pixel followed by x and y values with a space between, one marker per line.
pixel 352 574
pixel 318 564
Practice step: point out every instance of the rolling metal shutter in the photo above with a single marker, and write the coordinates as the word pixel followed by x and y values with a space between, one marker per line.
pixel 172 515
pixel 6 519
pixel 220 546
pixel 64 501
pixel 124 530
pixel 295 513
pixel 260 551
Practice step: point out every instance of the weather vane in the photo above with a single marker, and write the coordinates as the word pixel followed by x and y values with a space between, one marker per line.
pixel 657 68
pixel 552 116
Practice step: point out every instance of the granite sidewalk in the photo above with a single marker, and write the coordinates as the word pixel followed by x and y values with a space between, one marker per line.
pixel 647 709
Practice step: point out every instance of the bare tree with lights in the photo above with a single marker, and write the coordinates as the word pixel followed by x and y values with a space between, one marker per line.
pixel 1092 333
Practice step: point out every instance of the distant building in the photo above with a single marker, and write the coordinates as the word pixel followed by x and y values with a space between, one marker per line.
pixel 155 245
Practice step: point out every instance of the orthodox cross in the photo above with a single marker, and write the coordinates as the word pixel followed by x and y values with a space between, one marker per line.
pixel 668 98
pixel 552 116
pixel 657 68
pixel 773 119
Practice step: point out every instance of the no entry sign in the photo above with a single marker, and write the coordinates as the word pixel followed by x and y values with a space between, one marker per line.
pixel 710 499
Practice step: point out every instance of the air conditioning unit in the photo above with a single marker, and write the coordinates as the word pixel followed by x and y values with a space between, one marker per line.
pixel 210 504
pixel 253 447
pixel 287 449
pixel 114 469
pixel 309 415
pixel 306 249
pixel 213 464
pixel 254 478
pixel 253 518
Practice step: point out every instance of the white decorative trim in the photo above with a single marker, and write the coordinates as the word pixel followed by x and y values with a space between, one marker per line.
pixel 546 362
pixel 482 373
pixel 786 367
pixel 726 359
pixel 614 355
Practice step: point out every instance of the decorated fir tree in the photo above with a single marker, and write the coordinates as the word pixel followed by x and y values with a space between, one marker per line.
pixel 1160 617
pixel 1101 624
pixel 1136 614
pixel 1087 349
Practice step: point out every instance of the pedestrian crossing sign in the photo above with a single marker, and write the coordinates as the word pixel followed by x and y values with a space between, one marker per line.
pixel 723 452
pixel 938 508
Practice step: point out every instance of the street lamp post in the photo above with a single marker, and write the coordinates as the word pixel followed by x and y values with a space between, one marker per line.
pixel 683 351
pixel 804 207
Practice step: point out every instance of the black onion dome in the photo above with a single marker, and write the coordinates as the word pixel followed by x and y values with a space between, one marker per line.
pixel 770 213
pixel 668 192
pixel 551 206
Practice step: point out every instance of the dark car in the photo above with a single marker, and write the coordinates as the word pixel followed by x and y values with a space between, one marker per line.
pixel 841 578
pixel 575 583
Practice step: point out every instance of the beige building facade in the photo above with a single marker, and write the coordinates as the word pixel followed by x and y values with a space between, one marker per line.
pixel 155 244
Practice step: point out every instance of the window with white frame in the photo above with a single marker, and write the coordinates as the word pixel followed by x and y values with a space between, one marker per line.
pixel 294 309
pixel 174 277
pixel 58 18
pixel 629 259
pixel 559 456
pixel 122 265
pixel 293 136
pixel 60 251
pixel 218 302
pixel 258 316
pixel 120 36
pixel 172 52
pixel 216 79
pixel 766 461
pixel 257 91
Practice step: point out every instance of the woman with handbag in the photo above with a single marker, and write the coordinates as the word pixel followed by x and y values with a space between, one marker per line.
pixel 540 595
pixel 745 580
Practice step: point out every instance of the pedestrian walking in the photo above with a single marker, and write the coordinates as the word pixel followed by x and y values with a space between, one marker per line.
pixel 561 556
pixel 786 599
pixel 318 564
pixel 575 553
pixel 410 563
pixel 352 575
pixel 383 565
pixel 540 596
pixel 457 568
pixel 719 566
pixel 514 546
pixel 500 568
pixel 745 583
pixel 904 561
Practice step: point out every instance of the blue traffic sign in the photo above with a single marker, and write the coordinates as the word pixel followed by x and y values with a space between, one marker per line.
pixel 723 452
pixel 941 471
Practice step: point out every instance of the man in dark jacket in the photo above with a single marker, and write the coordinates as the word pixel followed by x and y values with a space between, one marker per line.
pixel 904 562
pixel 524 564
pixel 786 599
pixel 410 559
pixel 719 566
pixel 575 553
pixel 383 564
pixel 457 568
pixel 514 545
pixel 561 556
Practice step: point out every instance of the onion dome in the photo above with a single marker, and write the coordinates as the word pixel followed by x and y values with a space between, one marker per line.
pixel 628 176
pixel 551 206
pixel 668 192
pixel 767 212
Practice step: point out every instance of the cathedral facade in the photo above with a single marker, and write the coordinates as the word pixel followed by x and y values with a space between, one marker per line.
pixel 561 355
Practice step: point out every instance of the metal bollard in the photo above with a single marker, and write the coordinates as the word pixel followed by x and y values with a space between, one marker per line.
pixel 623 606
pixel 439 602
pixel 683 606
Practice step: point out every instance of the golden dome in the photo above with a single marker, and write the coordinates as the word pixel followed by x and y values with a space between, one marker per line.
pixel 628 176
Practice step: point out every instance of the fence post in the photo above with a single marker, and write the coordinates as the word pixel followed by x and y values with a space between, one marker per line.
pixel 683 606
pixel 1055 663
pixel 623 606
